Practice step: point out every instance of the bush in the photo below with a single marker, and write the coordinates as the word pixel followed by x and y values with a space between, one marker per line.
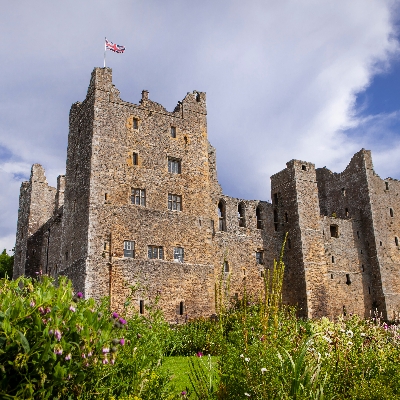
pixel 6 265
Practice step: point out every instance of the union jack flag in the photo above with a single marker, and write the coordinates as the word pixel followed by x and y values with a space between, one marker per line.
pixel 114 47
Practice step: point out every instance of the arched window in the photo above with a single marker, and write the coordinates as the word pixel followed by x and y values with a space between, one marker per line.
pixel 241 219
pixel 258 217
pixel 221 216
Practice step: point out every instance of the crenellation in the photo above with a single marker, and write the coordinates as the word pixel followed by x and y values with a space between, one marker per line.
pixel 140 203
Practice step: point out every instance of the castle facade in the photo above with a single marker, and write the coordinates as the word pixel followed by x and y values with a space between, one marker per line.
pixel 141 204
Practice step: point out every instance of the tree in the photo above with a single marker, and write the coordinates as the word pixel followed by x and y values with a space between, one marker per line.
pixel 6 265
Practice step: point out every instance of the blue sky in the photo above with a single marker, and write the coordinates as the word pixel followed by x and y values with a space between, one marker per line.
pixel 304 79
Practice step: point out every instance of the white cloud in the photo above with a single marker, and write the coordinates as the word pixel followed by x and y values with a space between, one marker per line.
pixel 281 77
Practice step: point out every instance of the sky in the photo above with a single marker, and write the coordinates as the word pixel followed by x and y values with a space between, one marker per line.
pixel 290 79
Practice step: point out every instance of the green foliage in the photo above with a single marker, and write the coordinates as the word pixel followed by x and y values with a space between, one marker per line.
pixel 6 265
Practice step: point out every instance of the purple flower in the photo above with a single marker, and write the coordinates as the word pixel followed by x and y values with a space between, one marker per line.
pixel 47 310
pixel 51 332
pixel 72 308
pixel 83 355
pixel 199 354
pixel 115 315
pixel 183 393
pixel 79 295
pixel 58 350
pixel 68 357
pixel 32 303
pixel 41 310
pixel 122 341
pixel 89 354
pixel 57 334
pixel 105 361
pixel 106 350
pixel 122 321
pixel 112 361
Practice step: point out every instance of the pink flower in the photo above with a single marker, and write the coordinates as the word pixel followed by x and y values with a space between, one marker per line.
pixel 41 310
pixel 105 361
pixel 112 361
pixel 72 308
pixel 68 357
pixel 83 355
pixel 122 341
pixel 199 354
pixel 114 315
pixel 106 350
pixel 58 350
pixel 32 303
pixel 122 321
pixel 79 295
pixel 57 334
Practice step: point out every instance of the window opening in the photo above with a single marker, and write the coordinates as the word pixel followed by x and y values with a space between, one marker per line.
pixel 138 197
pixel 221 216
pixel 66 256
pixel 226 266
pixel 333 259
pixel 105 246
pixel 173 131
pixel 343 192
pixel 331 276
pixel 387 185
pixel 380 243
pixel 369 290
pixel 155 252
pixel 135 123
pixel 141 306
pixel 348 281
pixel 105 196
pixel 276 220
pixel 198 97
pixel 262 274
pixel 396 240
pixel 135 158
pixel 174 202
pixel 334 231
pixel 174 165
pixel 258 218
pixel 181 308
pixel 358 234
pixel 276 198
pixel 178 254
pixel 304 168
pixel 391 212
pixel 241 215
pixel 362 267
pixel 289 244
pixel 361 252
pixel 286 217
pixel 346 210
pixel 259 257
pixel 129 248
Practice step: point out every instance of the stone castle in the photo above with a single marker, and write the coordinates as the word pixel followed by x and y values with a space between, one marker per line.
pixel 141 203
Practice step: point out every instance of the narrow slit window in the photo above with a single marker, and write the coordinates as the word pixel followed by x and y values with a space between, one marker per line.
pixel 346 211
pixel 174 202
pixel 221 216
pixel 138 197
pixel 105 196
pixel 135 123
pixel 129 249
pixel 276 220
pixel 135 158
pixel 386 185
pixel 343 192
pixel 358 234
pixel 304 168
pixel 226 266
pixel 391 212
pixel 286 217
pixel 173 131
pixel 141 307
pixel 260 257
pixel 276 200
pixel 348 280
pixel 369 290
pixel 396 240
pixel 241 219
pixel 333 259
pixel 258 218
pixel 181 308
pixel 331 276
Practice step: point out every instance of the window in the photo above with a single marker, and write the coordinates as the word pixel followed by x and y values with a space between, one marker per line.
pixel 66 255
pixel 105 196
pixel 181 308
pixel 286 217
pixel 343 192
pixel 241 219
pixel 135 123
pixel 259 257
pixel 396 240
pixel 129 249
pixel 226 266
pixel 289 243
pixel 138 197
pixel 276 220
pixel 276 198
pixel 258 218
pixel 380 243
pixel 304 168
pixel 155 252
pixel 334 231
pixel 362 267
pixel 141 306
pixel 333 259
pixel 331 276
pixel 173 131
pixel 135 158
pixel 174 202
pixel 221 216
pixel 386 185
pixel 391 212
pixel 358 234
pixel 348 281
pixel 346 211
pixel 178 254
pixel 174 165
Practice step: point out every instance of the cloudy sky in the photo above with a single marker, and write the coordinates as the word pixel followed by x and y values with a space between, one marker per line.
pixel 314 80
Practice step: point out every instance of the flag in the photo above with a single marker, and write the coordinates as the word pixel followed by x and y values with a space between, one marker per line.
pixel 114 47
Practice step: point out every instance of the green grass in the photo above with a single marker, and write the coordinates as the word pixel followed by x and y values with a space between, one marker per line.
pixel 179 370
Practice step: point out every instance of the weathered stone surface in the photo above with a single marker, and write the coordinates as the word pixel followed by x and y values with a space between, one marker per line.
pixel 341 252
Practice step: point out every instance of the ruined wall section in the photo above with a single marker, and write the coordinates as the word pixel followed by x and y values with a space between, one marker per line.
pixel 296 211
pixel 37 203
pixel 345 203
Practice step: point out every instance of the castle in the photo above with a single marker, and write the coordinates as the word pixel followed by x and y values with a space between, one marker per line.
pixel 141 203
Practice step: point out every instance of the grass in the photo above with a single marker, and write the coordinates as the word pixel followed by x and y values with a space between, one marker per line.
pixel 178 368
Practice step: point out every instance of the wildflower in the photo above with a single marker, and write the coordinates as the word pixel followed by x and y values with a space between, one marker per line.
pixel 262 338
pixel 57 334
pixel 72 308
pixel 349 343
pixel 362 334
pixel 41 310
pixel 350 333
pixel 68 357
pixel 199 354
pixel 87 364
pixel 122 321
pixel 58 350
pixel 32 303
pixel 122 341
pixel 47 310
pixel 106 350
pixel 83 355
pixel 79 295
pixel 139 335
pixel 89 354
pixel 246 394
pixel 327 339
pixel 105 360
pixel 51 332
pixel 342 330
pixel 112 361
pixel 183 393
pixel 241 356
pixel 115 315
pixel 263 370
pixel 247 359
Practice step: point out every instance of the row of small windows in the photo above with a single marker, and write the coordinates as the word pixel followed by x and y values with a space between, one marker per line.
pixel 153 252
pixel 240 216
pixel 135 125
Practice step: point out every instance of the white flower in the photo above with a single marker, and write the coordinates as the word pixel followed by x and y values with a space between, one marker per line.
pixel 349 343
pixel 350 333
pixel 327 339
pixel 342 330
pixel 263 370
pixel 246 394
pixel 241 356
pixel 362 334
pixel 247 359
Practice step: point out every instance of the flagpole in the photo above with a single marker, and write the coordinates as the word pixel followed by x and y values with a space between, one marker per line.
pixel 105 52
